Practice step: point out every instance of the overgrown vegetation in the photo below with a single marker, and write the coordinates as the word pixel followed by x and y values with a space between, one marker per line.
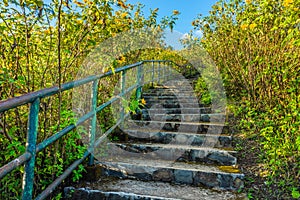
pixel 42 45
pixel 256 46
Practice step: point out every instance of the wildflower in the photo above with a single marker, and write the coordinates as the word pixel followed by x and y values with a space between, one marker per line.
pixel 252 26
pixel 248 1
pixel 143 102
pixel 244 26
pixel 123 15
pixel 122 59
pixel 286 3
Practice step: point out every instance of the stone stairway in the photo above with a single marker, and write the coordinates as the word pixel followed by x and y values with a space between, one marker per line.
pixel 176 148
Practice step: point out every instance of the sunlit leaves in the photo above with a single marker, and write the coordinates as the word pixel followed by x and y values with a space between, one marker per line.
pixel 29 61
pixel 256 46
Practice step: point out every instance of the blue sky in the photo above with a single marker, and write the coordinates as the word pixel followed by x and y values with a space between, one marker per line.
pixel 188 9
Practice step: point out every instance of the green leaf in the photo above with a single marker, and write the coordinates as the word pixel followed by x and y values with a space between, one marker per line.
pixel 295 193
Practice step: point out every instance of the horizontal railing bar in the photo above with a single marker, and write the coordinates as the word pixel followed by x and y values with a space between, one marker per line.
pixel 30 97
pixel 14 164
pixel 68 171
pixel 26 156
pixel 69 128
pixel 62 177
pixel 54 138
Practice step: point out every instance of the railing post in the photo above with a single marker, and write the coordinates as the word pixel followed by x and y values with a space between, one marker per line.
pixel 152 73
pixel 93 121
pixel 164 71
pixel 123 87
pixel 159 74
pixel 32 130
pixel 139 80
pixel 170 69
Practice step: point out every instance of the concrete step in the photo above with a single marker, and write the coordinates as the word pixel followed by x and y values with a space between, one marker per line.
pixel 184 153
pixel 167 97
pixel 185 117
pixel 170 92
pixel 171 100
pixel 182 87
pixel 181 138
pixel 183 110
pixel 190 127
pixel 119 189
pixel 173 172
pixel 167 104
pixel 172 95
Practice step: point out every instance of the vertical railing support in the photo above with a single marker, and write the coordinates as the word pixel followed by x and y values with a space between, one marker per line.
pixel 152 73
pixel 159 72
pixel 123 87
pixel 32 130
pixel 163 72
pixel 139 82
pixel 169 70
pixel 93 121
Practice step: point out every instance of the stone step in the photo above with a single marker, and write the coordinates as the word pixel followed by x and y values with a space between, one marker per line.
pixel 119 189
pixel 170 101
pixel 174 87
pixel 173 172
pixel 181 138
pixel 169 91
pixel 168 97
pixel 174 104
pixel 190 127
pixel 172 95
pixel 196 110
pixel 185 117
pixel 184 153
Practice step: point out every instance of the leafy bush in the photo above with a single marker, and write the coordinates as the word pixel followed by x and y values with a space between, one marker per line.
pixel 256 45
pixel 42 45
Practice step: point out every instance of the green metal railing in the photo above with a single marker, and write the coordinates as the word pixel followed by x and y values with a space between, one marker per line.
pixel 32 148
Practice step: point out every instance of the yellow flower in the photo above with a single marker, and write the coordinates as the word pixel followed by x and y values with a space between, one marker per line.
pixel 123 15
pixel 286 3
pixel 47 31
pixel 121 60
pixel 143 101
pixel 248 1
pixel 252 26
pixel 244 26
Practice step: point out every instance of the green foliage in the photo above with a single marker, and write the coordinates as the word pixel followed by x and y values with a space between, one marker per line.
pixel 295 193
pixel 44 44
pixel 256 46
pixel 202 91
